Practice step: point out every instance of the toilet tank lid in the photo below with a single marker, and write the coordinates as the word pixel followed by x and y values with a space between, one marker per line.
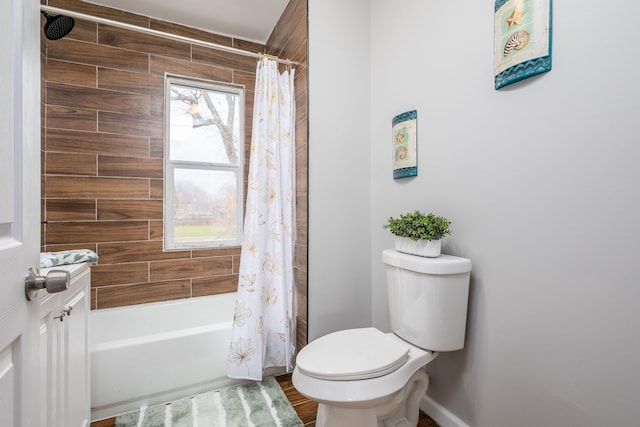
pixel 444 264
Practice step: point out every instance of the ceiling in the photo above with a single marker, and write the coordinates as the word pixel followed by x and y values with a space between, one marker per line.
pixel 251 20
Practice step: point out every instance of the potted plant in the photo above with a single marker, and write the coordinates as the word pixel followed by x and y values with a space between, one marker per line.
pixel 418 233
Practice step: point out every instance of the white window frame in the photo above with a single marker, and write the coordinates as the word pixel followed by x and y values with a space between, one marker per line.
pixel 171 165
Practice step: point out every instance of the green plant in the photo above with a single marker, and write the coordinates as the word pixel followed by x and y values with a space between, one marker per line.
pixel 419 226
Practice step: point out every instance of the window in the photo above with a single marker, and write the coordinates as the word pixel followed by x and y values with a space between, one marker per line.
pixel 204 150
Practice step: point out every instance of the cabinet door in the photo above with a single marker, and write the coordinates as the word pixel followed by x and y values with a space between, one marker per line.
pixel 75 347
pixel 49 351
pixel 64 353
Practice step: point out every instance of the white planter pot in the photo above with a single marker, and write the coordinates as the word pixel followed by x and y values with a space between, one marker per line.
pixel 426 248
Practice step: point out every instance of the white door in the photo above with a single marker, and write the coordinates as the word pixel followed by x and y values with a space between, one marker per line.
pixel 19 209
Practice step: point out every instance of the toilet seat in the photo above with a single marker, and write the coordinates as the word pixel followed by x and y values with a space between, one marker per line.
pixel 353 354
pixel 367 390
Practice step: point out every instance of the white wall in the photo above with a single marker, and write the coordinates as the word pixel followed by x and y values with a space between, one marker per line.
pixel 339 168
pixel 541 180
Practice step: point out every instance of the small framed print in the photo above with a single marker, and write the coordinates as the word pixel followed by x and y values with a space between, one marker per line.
pixel 405 149
pixel 522 40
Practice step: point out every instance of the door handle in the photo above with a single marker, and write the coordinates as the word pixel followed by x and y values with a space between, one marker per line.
pixel 54 281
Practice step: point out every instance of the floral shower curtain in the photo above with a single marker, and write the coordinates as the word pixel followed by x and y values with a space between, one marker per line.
pixel 263 333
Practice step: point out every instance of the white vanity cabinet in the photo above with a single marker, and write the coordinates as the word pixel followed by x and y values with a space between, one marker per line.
pixel 64 351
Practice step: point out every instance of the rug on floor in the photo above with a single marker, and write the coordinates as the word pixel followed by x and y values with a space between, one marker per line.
pixel 255 404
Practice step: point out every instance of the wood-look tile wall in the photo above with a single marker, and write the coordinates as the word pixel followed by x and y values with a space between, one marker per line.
pixel 102 151
pixel 289 40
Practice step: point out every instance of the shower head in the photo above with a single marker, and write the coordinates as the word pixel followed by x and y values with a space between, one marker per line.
pixel 57 26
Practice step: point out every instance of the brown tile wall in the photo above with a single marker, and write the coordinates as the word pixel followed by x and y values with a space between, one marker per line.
pixel 102 151
pixel 289 40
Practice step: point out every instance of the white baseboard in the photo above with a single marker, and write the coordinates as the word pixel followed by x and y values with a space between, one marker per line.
pixel 440 414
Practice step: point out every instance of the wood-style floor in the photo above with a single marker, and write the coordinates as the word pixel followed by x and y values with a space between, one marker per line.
pixel 305 408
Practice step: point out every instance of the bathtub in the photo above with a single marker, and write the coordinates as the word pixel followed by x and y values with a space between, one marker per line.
pixel 153 353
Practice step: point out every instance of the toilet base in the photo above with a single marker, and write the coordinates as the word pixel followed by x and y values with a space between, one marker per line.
pixel 400 409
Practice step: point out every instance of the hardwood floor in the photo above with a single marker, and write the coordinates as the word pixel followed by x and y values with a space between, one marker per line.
pixel 305 408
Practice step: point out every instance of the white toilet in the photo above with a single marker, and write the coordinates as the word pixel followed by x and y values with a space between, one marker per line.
pixel 364 377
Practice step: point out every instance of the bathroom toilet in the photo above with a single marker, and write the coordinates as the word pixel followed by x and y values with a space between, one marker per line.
pixel 364 377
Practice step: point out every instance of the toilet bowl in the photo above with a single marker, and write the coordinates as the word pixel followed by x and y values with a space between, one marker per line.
pixel 364 377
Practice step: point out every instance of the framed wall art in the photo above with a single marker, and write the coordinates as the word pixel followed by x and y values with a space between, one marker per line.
pixel 405 149
pixel 522 40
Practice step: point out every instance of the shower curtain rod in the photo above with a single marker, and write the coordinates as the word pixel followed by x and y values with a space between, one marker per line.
pixel 56 10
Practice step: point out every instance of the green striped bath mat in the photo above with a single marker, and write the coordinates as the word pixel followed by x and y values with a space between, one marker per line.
pixel 256 404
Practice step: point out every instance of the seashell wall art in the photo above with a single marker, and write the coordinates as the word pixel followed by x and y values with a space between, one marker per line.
pixel 405 144
pixel 522 40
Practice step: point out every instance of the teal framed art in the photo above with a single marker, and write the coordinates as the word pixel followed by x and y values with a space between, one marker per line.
pixel 522 40
pixel 405 144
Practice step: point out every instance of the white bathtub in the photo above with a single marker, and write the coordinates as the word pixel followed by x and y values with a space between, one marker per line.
pixel 153 353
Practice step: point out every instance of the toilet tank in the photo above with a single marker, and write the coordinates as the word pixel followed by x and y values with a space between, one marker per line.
pixel 428 299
